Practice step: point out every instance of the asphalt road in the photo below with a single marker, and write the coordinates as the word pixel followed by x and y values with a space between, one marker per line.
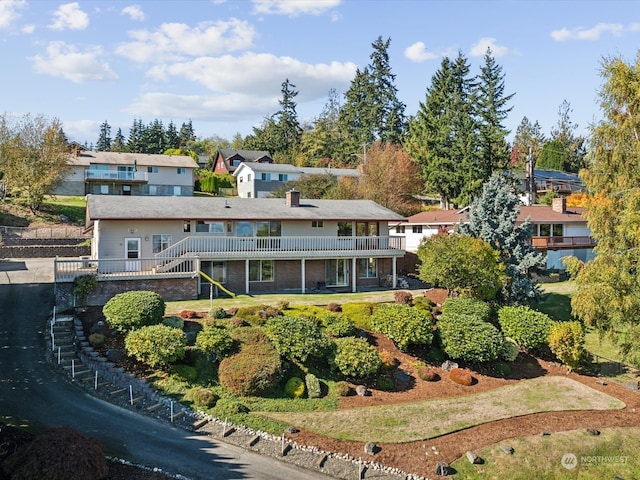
pixel 32 391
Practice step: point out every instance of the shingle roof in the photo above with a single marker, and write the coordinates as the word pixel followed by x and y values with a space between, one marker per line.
pixel 116 207
pixel 287 168
pixel 141 159
pixel 536 213
pixel 248 155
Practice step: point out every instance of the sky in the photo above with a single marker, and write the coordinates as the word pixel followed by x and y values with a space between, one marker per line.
pixel 221 64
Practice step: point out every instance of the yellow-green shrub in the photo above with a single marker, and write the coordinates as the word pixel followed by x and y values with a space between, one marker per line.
pixel 566 341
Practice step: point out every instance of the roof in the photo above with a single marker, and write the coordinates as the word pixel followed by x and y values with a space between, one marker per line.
pixel 116 207
pixel 248 155
pixel 287 168
pixel 141 159
pixel 535 213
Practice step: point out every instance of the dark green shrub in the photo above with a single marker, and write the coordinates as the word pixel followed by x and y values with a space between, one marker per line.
pixel 403 298
pixel 510 350
pixel 83 286
pixel 527 327
pixel 252 371
pixel 134 309
pixel 403 324
pixel 214 343
pixel 218 313
pixel 156 345
pixel 472 307
pixel 184 373
pixel 385 383
pixel 502 369
pixel 436 355
pixel 226 407
pixel 338 325
pixel 202 397
pixel 294 388
pixel 354 357
pixel 59 453
pixel 173 322
pixel 343 389
pixel 96 340
pixel 314 390
pixel 469 339
pixel 297 338
pixel 461 377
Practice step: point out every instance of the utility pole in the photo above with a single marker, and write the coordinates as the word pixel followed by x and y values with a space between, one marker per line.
pixel 531 181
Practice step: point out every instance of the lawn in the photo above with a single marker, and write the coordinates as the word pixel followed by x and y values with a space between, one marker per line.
pixel 409 422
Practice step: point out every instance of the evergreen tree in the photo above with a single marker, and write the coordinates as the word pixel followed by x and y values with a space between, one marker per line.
pixel 186 134
pixel 492 218
pixel 119 142
pixel 564 134
pixel 323 142
pixel 153 138
pixel 172 137
pixel 356 120
pixel 528 141
pixel 136 133
pixel 492 110
pixel 104 139
pixel 287 120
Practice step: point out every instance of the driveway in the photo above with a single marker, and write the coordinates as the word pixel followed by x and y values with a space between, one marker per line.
pixel 34 392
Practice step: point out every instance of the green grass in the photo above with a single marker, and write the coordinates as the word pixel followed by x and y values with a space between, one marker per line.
pixel 556 300
pixel 539 457
pixel 432 418
pixel 71 207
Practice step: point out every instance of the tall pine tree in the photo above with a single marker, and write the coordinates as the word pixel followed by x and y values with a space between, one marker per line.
pixel 104 139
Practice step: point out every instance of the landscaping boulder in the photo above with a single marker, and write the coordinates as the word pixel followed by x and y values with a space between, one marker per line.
pixel 443 469
pixel 593 431
pixel 370 448
pixel 402 379
pixel 635 386
pixel 448 365
pixel 474 459
pixel 362 391
pixel 292 429
pixel 508 449
pixel 114 355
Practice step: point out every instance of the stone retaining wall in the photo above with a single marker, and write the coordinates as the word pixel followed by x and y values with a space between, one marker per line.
pixel 43 251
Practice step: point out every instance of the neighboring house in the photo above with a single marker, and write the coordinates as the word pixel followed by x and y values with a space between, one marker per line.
pixel 546 181
pixel 258 180
pixel 558 231
pixel 247 245
pixel 227 159
pixel 114 173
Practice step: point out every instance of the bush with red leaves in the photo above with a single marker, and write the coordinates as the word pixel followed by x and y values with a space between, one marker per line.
pixel 59 454
pixel 403 298
pixel 461 376
pixel 189 314
pixel 334 307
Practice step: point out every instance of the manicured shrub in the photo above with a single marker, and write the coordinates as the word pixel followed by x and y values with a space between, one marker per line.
pixel 314 390
pixel 294 388
pixel 461 377
pixel 472 307
pixel 354 357
pixel 423 305
pixel 566 341
pixel 202 397
pixel 359 313
pixel 184 373
pixel 226 407
pixel 252 371
pixel 156 345
pixel 249 335
pixel 134 309
pixel 58 454
pixel 436 355
pixel 502 369
pixel 466 338
pixel 282 305
pixel 214 343
pixel 297 338
pixel 528 328
pixel 403 324
pixel 403 298
pixel 218 313
pixel 257 314
pixel 96 340
pixel 334 307
pixel 338 325
pixel 343 389
pixel 427 373
pixel 173 322
pixel 236 322
pixel 385 383
pixel 510 350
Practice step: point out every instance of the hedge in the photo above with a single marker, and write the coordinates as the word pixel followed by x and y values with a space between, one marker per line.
pixel 134 309
pixel 528 328
pixel 466 338
pixel 403 324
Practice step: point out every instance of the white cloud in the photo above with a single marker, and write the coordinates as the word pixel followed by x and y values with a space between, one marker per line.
pixel 293 8
pixel 418 53
pixel 69 16
pixel 259 74
pixel 63 60
pixel 594 33
pixel 134 12
pixel 173 41
pixel 9 11
pixel 480 48
pixel 28 29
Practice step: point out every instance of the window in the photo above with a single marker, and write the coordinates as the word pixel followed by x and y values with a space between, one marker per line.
pixel 550 230
pixel 417 229
pixel 337 272
pixel 266 177
pixel 345 229
pixel 317 224
pixel 558 231
pixel 152 169
pixel 186 226
pixel 215 269
pixel 181 170
pixel 248 177
pixel 268 229
pixel 261 270
pixel 209 227
pixel 104 189
pixel 367 268
pixel 244 229
pixel 545 230
pixel 240 179
pixel 126 189
pixel 248 194
pixel 400 229
pixel 364 229
pixel 160 242
pixel 283 177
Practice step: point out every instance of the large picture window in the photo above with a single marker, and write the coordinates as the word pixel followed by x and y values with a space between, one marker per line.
pixel 337 274
pixel 367 268
pixel 216 270
pixel 160 242
pixel 345 229
pixel 210 227
pixel 261 270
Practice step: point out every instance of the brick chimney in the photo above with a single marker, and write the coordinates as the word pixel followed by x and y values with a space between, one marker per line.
pixel 293 198
pixel 559 205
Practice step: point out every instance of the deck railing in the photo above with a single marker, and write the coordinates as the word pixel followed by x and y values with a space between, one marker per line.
pixel 115 175
pixel 553 243
pixel 66 269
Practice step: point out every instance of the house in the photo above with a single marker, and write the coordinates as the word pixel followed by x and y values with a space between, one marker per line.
pixel 245 245
pixel 546 181
pixel 558 231
pixel 116 173
pixel 228 159
pixel 258 180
